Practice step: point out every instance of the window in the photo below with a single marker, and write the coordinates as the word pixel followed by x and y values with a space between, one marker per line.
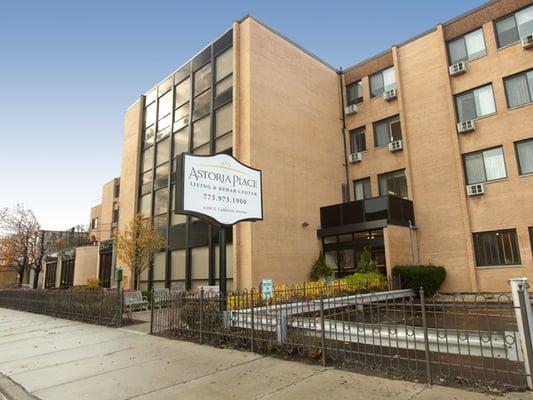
pixel 165 105
pixel 161 201
pixel 149 114
pixel 496 248
pixel 485 165
pixel 515 26
pixel 354 93
pixel 202 104
pixel 362 189
pixel 387 130
pixel 393 183
pixel 183 92
pixel 467 47
pixel 475 103
pixel 201 133
pixel 524 154
pixel 162 154
pixel 224 69
pixel 181 116
pixel 148 159
pixel 149 135
pixel 519 89
pixel 94 223
pixel 357 140
pixel 382 81
pixel 146 182
pixel 161 176
pixel 223 120
pixel 181 142
pixel 202 79
pixel 115 216
pixel 145 205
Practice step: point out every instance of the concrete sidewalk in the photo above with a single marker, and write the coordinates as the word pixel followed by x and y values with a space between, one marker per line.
pixel 57 359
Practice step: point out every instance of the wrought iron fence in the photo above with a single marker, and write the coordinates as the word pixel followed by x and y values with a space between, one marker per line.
pixel 94 306
pixel 448 338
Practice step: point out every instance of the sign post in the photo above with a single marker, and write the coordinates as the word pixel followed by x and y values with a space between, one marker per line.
pixel 220 190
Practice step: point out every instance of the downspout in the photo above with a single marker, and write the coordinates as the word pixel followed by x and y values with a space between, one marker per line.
pixel 412 238
pixel 343 132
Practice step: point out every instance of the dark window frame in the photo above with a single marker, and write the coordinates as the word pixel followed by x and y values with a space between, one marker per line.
pixel 359 98
pixel 354 133
pixel 462 37
pixel 517 156
pixel 530 90
pixel 365 179
pixel 392 172
pixel 472 90
pixel 484 168
pixel 378 73
pixel 501 19
pixel 497 231
pixel 389 119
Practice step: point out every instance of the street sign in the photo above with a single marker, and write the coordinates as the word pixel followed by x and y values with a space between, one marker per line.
pixel 266 289
pixel 219 189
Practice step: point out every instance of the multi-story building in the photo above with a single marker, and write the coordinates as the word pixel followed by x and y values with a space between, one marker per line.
pixel 422 154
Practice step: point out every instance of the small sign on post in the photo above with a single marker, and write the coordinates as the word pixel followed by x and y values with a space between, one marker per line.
pixel 266 289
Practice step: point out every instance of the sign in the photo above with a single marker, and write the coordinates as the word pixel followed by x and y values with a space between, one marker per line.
pixel 266 289
pixel 218 188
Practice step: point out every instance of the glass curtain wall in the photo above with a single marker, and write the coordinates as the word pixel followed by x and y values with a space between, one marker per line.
pixel 191 111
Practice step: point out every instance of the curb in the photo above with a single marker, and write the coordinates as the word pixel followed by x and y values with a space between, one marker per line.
pixel 10 390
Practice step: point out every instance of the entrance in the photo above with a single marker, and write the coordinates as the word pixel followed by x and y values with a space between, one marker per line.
pixel 106 264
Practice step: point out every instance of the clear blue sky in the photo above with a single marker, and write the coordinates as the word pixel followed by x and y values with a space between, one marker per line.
pixel 69 69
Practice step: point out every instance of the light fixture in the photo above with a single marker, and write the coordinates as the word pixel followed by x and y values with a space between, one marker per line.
pixel 305 224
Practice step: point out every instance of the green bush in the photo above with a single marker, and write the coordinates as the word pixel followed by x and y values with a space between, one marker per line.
pixel 321 269
pixel 369 281
pixel 366 264
pixel 211 314
pixel 429 277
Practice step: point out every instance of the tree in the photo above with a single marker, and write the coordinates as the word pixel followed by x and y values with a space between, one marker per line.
pixel 136 246
pixel 366 263
pixel 321 269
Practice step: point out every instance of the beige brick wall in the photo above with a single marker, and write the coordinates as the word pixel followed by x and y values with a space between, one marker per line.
pixel 85 264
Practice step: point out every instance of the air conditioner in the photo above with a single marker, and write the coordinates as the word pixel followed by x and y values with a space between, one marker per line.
pixel 475 190
pixel 395 145
pixel 527 41
pixel 466 126
pixel 457 69
pixel 391 94
pixel 355 157
pixel 350 109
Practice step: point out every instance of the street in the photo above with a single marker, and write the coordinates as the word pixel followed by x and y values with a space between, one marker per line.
pixel 47 358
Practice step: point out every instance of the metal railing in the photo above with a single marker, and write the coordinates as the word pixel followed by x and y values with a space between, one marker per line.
pixel 467 338
pixel 95 306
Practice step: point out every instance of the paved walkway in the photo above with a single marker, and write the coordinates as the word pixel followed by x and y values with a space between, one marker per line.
pixel 57 359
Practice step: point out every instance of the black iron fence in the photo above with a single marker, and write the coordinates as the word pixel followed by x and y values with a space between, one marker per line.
pixel 95 306
pixel 448 338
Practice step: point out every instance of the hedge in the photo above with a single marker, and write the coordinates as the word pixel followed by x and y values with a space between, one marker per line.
pixel 429 277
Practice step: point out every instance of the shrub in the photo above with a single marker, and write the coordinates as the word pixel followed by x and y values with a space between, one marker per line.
pixel 93 283
pixel 321 269
pixel 211 314
pixel 366 264
pixel 429 277
pixel 369 281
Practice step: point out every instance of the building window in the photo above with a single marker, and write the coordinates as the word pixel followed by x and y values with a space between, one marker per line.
pixel 515 26
pixel 162 153
pixel 148 159
pixel 223 120
pixel 165 106
pixel 357 140
pixel 519 89
pixel 161 201
pixel 496 248
pixel 467 47
pixel 393 183
pixel 145 205
pixel 224 70
pixel 183 92
pixel 202 79
pixel 354 93
pixel 484 166
pixel 362 189
pixel 475 103
pixel 524 154
pixel 382 81
pixel 115 216
pixel 94 223
pixel 386 131
pixel 201 132
pixel 202 104
pixel 149 114
pixel 161 176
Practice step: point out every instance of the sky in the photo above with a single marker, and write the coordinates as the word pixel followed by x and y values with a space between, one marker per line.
pixel 70 69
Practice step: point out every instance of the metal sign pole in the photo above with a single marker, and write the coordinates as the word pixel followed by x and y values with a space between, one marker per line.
pixel 222 260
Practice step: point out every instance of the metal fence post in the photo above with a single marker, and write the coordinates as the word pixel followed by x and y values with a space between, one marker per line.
pixel 322 330
pixel 252 320
pixel 201 314
pixel 152 311
pixel 524 321
pixel 426 339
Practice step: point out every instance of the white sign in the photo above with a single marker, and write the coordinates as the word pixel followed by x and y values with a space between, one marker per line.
pixel 266 289
pixel 220 188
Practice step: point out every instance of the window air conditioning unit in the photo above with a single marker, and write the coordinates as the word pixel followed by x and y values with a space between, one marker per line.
pixel 466 126
pixel 356 157
pixel 457 69
pixel 350 109
pixel 395 145
pixel 391 94
pixel 527 41
pixel 475 190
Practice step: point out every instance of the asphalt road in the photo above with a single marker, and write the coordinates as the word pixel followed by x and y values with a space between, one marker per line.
pixel 47 358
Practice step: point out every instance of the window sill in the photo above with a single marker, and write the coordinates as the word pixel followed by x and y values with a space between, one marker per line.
pixel 500 266
pixel 520 106
pixel 471 61
pixel 526 175
pixel 509 45
pixel 489 182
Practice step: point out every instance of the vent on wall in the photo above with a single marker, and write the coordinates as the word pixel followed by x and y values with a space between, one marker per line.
pixel 466 126
pixel 395 145
pixel 356 157
pixel 391 94
pixel 457 69
pixel 350 109
pixel 475 190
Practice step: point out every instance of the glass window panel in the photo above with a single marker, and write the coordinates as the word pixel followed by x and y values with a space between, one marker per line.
pixel 146 182
pixel 200 263
pixel 494 164
pixel 229 262
pixel 149 136
pixel 223 85
pixel 201 131
pixel 202 79
pixel 524 152
pixel 517 91
pixel 160 202
pixel 381 133
pixel 202 104
pixel 475 44
pixel 524 20
pixel 161 176
pixel 165 105
pixel 376 85
pixel 163 127
pixel 177 219
pixel 506 31
pixel 181 142
pixel 395 129
pixel 165 86
pixel 389 79
pixel 357 140
pixel 177 265
pixel 466 106
pixel 149 114
pixel 484 101
pixel 150 97
pixel 224 64
pixel 148 159
pixel 160 225
pixel 362 189
pixel 181 116
pixel 162 151
pixel 183 92
pixel 354 93
pixel 224 119
pixel 475 170
pixel 159 266
pixel 203 150
pixel 394 184
pixel 496 248
pixel 145 205
pixel 457 51
pixel 224 143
